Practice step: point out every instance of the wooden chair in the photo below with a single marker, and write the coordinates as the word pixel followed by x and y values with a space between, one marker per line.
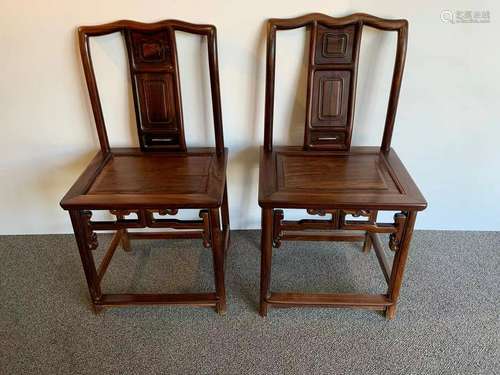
pixel 162 176
pixel 327 175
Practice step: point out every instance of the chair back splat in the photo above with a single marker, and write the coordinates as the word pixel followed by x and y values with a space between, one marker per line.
pixel 332 72
pixel 154 70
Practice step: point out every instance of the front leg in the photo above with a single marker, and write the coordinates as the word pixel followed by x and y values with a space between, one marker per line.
pixel 399 263
pixel 86 241
pixel 266 244
pixel 218 259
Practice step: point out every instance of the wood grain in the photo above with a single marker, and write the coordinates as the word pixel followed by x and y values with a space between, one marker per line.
pixel 362 178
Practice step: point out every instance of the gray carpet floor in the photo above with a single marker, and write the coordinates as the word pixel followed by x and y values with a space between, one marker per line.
pixel 447 321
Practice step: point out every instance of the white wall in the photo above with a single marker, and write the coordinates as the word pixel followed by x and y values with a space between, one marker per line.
pixel 447 125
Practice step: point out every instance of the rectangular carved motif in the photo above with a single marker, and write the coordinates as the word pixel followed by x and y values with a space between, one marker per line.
pixel 150 49
pixel 330 88
pixel 156 99
pixel 330 96
pixel 334 46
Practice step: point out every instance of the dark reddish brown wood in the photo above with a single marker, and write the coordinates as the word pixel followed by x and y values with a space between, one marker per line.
pixel 332 72
pixel 266 258
pixel 115 241
pixel 320 235
pixel 193 179
pixel 85 254
pixel 206 228
pixel 218 251
pixel 155 83
pixel 125 240
pixel 278 223
pixel 332 75
pixel 367 245
pixel 399 263
pixel 188 299
pixel 225 220
pixel 328 176
pixel 165 235
pixel 362 178
pixel 379 252
pixel 397 77
pixel 155 80
pixel 374 301
pixel 160 177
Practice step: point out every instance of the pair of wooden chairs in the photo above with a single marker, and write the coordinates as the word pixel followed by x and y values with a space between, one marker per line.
pixel 326 176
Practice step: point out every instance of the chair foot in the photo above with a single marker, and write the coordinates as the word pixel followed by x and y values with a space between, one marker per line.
pixel 220 308
pixel 98 309
pixel 263 309
pixel 390 312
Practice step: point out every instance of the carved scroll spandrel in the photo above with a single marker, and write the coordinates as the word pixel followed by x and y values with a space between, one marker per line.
pixel 92 242
pixel 395 238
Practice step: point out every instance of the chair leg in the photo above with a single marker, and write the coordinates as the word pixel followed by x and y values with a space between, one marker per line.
pixel 79 222
pixel 226 228
pixel 125 240
pixel 218 260
pixel 225 210
pixel 367 245
pixel 399 264
pixel 266 243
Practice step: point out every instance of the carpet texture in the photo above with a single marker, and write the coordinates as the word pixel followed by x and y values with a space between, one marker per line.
pixel 447 321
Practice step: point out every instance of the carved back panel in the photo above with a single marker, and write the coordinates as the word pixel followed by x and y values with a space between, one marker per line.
pixel 153 64
pixel 331 80
pixel 332 72
pixel 155 84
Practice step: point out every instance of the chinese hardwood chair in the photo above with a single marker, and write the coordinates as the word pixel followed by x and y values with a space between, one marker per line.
pixel 327 175
pixel 162 176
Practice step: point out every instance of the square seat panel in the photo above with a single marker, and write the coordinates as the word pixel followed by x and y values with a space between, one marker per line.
pixel 363 178
pixel 130 178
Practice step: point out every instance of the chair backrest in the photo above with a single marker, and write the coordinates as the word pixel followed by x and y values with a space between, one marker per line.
pixel 154 70
pixel 332 72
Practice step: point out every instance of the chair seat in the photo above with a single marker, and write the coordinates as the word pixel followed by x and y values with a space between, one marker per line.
pixel 362 178
pixel 130 178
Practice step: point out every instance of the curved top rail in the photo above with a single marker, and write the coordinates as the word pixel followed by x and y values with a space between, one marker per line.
pixel 359 20
pixel 112 27
pixel 126 26
pixel 365 19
